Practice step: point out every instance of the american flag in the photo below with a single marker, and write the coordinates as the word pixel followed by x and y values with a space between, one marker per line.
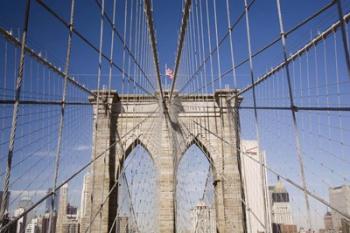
pixel 169 73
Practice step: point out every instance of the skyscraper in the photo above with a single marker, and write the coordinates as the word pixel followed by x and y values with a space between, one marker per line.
pixel 202 221
pixel 328 222
pixel 71 210
pixel 62 209
pixel 21 223
pixel 33 226
pixel 339 198
pixel 45 222
pixel 255 186
pixel 281 208
pixel 67 218
pixel 22 206
pixel 48 201
pixel 345 226
pixel 84 194
pixel 84 202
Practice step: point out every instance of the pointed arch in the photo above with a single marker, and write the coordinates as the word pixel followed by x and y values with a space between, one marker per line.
pixel 202 146
pixel 195 186
pixel 135 143
pixel 138 168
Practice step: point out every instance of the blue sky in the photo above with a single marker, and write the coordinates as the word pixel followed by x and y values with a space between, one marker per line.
pixel 323 134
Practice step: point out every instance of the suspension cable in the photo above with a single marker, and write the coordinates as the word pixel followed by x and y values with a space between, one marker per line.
pixel 183 28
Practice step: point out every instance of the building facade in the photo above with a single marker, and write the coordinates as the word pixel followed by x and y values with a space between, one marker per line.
pixel 123 225
pixel 254 178
pixel 345 226
pixel 22 206
pixel 281 210
pixel 339 198
pixel 202 219
pixel 34 226
pixel 67 217
pixel 85 197
pixel 62 209
pixel 328 222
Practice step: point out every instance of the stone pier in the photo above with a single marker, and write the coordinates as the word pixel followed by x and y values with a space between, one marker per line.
pixel 123 121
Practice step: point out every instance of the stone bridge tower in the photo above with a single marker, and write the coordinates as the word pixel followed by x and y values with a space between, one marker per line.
pixel 209 121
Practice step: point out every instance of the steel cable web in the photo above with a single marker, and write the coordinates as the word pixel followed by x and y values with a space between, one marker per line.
pixel 253 84
pixel 30 102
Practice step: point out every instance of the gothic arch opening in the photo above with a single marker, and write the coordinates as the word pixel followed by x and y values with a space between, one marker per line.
pixel 137 192
pixel 134 144
pixel 195 196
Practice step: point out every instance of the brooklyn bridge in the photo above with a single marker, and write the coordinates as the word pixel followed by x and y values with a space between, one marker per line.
pixel 187 116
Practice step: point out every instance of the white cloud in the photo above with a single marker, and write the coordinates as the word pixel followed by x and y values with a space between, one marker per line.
pixel 28 193
pixel 45 153
pixel 81 148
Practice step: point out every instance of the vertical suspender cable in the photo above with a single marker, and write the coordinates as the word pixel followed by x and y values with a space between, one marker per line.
pixel 183 28
pixel 60 129
pixel 5 66
pixel 97 106
pixel 124 43
pixel 296 130
pixel 196 61
pixel 129 60
pixel 344 36
pixel 209 42
pixel 136 40
pixel 205 69
pixel 4 88
pixel 19 80
pixel 230 28
pixel 112 50
pixel 109 105
pixel 200 55
pixel 246 6
pixel 148 12
pixel 217 45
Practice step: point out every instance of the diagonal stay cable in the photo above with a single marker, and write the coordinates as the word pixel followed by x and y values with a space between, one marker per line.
pixel 150 25
pixel 261 50
pixel 278 38
pixel 311 194
pixel 125 46
pixel 276 173
pixel 117 178
pixel 298 53
pixel 115 185
pixel 223 176
pixel 14 220
pixel 9 37
pixel 132 206
pixel 221 41
pixel 19 83
pixel 91 45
